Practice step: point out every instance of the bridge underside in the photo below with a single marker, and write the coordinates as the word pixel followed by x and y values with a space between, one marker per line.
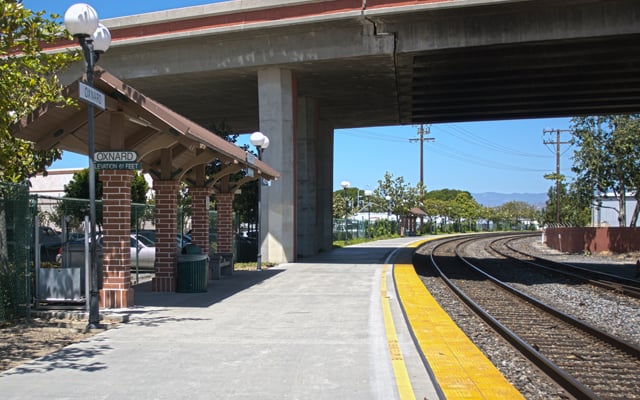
pixel 500 60
pixel 299 70
pixel 533 80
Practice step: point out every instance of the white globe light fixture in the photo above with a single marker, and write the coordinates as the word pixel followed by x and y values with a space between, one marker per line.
pixel 265 143
pixel 345 184
pixel 101 39
pixel 81 19
pixel 258 139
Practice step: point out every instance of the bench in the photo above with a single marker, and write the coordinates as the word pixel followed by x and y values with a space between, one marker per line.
pixel 220 265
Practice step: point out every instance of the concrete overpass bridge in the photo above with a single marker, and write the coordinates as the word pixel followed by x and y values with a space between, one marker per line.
pixel 297 70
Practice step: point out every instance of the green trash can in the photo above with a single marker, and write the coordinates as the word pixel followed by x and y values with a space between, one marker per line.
pixel 192 271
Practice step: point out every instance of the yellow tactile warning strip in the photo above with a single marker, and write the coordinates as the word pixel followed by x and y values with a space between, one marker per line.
pixel 460 368
pixel 397 361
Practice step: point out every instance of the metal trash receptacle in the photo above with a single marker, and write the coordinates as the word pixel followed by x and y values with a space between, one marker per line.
pixel 192 271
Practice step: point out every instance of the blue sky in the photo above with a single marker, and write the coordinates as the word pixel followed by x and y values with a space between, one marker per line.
pixel 496 156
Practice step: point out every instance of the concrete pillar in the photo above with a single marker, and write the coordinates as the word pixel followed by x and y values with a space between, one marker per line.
pixel 166 231
pixel 306 165
pixel 200 217
pixel 276 94
pixel 324 171
pixel 116 210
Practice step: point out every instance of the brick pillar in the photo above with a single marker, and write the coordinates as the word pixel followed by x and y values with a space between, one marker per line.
pixel 200 217
pixel 166 231
pixel 116 210
pixel 224 205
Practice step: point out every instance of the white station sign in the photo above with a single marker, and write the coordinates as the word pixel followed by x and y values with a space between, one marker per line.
pixel 91 95
pixel 122 159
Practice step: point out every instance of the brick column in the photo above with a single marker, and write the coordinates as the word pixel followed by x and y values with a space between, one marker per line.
pixel 116 210
pixel 166 231
pixel 224 205
pixel 200 217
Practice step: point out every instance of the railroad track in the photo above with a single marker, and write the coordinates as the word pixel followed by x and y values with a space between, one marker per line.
pixel 588 363
pixel 504 247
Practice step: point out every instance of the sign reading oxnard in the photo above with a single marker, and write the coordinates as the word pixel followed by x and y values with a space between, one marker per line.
pixel 120 159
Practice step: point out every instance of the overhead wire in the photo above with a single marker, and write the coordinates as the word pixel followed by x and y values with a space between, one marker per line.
pixel 455 153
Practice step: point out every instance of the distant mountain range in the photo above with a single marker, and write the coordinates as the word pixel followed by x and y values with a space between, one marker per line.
pixel 492 199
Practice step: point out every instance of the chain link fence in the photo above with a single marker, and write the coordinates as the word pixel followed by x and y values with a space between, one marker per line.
pixel 16 258
pixel 349 229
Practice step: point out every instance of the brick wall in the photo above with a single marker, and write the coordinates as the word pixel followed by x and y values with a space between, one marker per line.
pixel 593 240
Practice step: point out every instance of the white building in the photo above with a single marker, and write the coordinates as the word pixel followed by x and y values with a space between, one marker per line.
pixel 53 184
pixel 606 212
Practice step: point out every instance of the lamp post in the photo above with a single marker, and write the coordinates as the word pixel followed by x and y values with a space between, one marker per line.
pixel 261 141
pixel 345 185
pixel 368 193
pixel 81 20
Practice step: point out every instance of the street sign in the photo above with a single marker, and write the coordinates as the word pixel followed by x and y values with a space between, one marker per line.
pixel 115 156
pixel 91 95
pixel 251 159
pixel 121 159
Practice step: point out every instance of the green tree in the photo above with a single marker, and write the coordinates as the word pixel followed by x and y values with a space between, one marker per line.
pixel 28 79
pixel 402 196
pixel 445 194
pixel 574 210
pixel 450 205
pixel 606 160
pixel 516 212
pixel 466 208
pixel 434 208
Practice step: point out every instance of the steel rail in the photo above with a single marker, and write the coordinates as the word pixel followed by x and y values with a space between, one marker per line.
pixel 568 382
pixel 630 287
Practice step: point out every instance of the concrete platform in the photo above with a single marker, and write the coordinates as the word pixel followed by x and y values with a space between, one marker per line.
pixel 309 330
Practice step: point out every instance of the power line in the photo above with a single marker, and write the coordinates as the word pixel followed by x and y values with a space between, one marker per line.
pixel 478 140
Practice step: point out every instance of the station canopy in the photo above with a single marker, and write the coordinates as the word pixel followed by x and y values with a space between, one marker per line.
pixel 168 145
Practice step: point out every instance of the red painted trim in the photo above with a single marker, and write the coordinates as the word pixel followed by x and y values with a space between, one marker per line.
pixel 252 17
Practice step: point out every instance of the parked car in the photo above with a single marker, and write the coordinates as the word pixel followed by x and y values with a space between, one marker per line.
pixel 50 241
pixel 181 238
pixel 142 251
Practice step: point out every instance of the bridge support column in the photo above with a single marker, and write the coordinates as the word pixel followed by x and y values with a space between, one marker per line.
pixel 324 171
pixel 276 94
pixel 306 169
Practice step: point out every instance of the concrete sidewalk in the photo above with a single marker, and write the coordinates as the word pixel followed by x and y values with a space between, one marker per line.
pixel 309 330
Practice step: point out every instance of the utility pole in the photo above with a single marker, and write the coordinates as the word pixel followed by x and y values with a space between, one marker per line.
pixel 422 139
pixel 557 142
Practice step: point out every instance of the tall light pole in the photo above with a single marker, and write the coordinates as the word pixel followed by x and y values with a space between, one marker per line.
pixel 345 185
pixel 368 193
pixel 81 20
pixel 261 141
